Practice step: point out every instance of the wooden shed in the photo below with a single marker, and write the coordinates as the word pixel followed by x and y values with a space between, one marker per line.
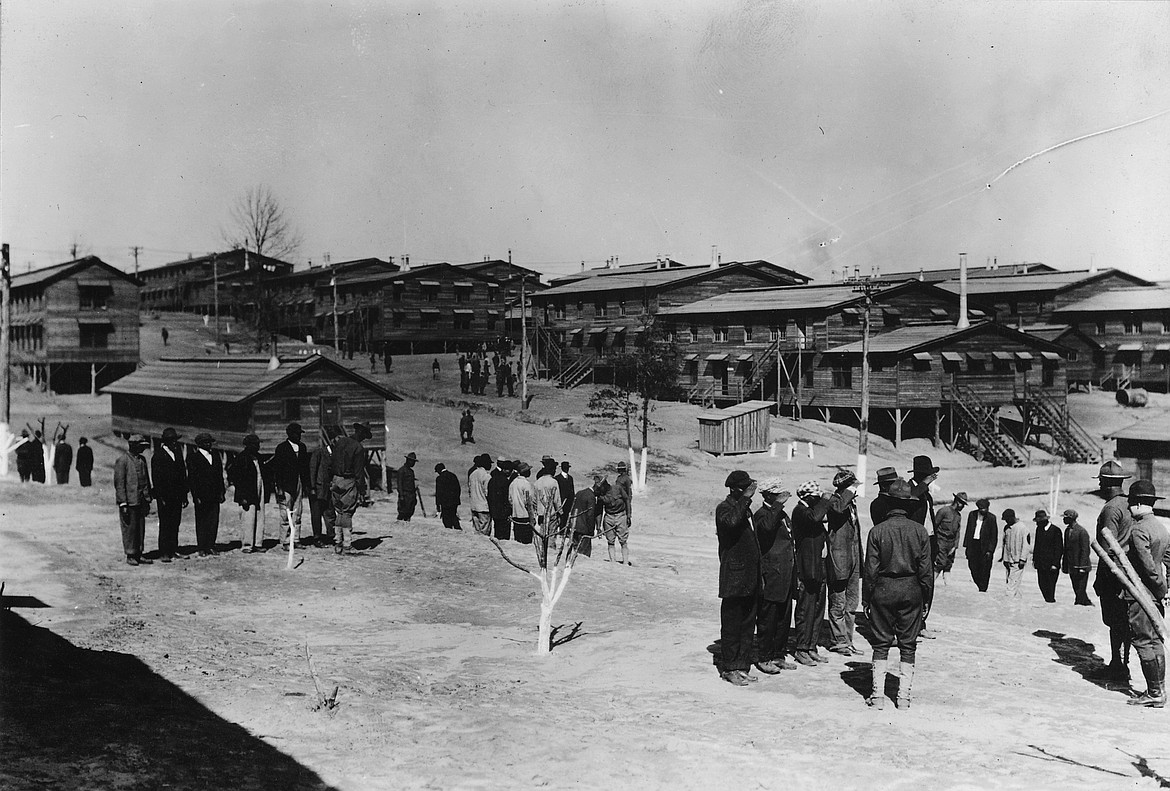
pixel 1144 450
pixel 230 397
pixel 743 428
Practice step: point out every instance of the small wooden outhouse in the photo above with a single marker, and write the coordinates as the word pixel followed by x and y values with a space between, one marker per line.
pixel 743 428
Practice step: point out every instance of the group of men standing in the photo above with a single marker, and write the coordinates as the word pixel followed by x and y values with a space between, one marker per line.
pixel 476 371
pixel 332 478
pixel 30 459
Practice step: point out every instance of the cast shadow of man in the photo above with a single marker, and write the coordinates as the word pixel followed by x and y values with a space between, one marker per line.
pixel 1081 657
pixel 76 717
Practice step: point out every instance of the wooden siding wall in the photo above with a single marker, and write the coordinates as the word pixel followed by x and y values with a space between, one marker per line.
pixel 750 432
pixel 486 302
pixel 357 403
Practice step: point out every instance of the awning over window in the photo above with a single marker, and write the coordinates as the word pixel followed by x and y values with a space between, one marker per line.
pixel 1050 356
pixel 923 357
pixel 1023 355
pixel 746 357
pixel 619 330
pixel 598 330
pixel 938 313
pixel 573 333
pixel 975 313
pixel 428 310
pixel 716 358
pixel 464 310
pixel 1130 347
pixel 952 357
pixel 891 312
pixel 976 356
pixel 429 283
pixel 1002 355
pixel 496 313
pixel 464 284
pixel 690 357
pixel 91 282
pixel 852 311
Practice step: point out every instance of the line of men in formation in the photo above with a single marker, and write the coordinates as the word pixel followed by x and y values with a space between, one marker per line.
pixel 506 504
pixel 780 571
pixel 30 459
pixel 331 478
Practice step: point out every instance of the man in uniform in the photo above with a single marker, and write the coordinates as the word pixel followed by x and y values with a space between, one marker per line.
pixel 205 479
pixel 843 564
pixel 348 486
pixel 1047 555
pixel 808 533
pixel 948 521
pixel 291 482
pixel 979 542
pixel 447 496
pixel 898 590
pixel 168 472
pixel 1076 557
pixel 84 462
pixel 407 488
pixel 133 495
pixel 777 566
pixel 1149 552
pixel 1114 516
pixel 739 578
pixel 62 460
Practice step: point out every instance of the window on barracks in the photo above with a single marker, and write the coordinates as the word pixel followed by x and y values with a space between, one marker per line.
pixel 1099 328
pixel 429 321
pixel 462 294
pixel 622 308
pixel 601 308
pixel 462 321
pixel 94 297
pixel 491 321
pixel 747 334
pixel 397 291
pixel 692 333
pixel 1133 327
pixel 95 336
pixel 891 317
pixel 720 335
pixel 494 293
pixel 842 376
pixel 430 293
pixel 851 317
pixel 1048 379
pixel 559 309
pixel 290 409
pixel 397 319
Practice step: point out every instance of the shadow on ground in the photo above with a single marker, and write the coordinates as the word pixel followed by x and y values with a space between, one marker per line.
pixel 76 718
pixel 1081 657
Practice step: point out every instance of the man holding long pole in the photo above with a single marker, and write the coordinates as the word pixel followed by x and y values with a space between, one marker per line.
pixel 1115 517
pixel 1149 543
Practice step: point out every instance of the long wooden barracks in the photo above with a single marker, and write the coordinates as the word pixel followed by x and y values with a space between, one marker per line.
pixel 231 397
pixel 75 325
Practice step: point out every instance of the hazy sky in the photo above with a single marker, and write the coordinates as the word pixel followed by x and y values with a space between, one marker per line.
pixel 569 131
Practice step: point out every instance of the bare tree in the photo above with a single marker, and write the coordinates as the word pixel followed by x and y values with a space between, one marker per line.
pixel 260 225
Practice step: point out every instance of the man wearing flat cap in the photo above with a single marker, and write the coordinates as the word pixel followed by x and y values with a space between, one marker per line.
pixel 348 486
pixel 133 495
pixel 1077 563
pixel 168 476
pixel 843 564
pixel 739 578
pixel 291 479
pixel 1114 516
pixel 407 488
pixel 777 566
pixel 251 488
pixel 205 478
pixel 979 543
pixel 948 522
pixel 1149 552
pixel 1047 555
pixel 897 589
pixel 808 533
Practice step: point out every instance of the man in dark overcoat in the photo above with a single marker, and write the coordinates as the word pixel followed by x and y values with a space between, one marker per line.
pixel 948 523
pixel 843 564
pixel 880 505
pixel 62 460
pixel 1047 555
pixel 979 542
pixel 808 532
pixel 499 504
pixel 168 473
pixel 897 591
pixel 291 481
pixel 321 514
pixel 84 462
pixel 778 566
pixel 1077 562
pixel 739 578
pixel 407 488
pixel 447 496
pixel 205 479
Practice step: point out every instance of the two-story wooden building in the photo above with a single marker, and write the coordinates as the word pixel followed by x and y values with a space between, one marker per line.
pixel 1132 326
pixel 189 284
pixel 298 297
pixel 75 325
pixel 748 343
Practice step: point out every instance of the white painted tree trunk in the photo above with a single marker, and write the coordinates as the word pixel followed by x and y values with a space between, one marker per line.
pixel 9 442
pixel 49 450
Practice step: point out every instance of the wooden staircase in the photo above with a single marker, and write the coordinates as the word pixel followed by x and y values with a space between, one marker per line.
pixel 551 354
pixel 576 372
pixel 760 372
pixel 702 394
pixel 1070 440
pixel 976 430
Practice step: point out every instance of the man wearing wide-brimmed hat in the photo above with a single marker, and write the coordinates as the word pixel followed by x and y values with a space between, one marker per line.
pixel 1148 554
pixel 1047 553
pixel 348 486
pixel 251 491
pixel 499 506
pixel 133 494
pixel 739 578
pixel 407 488
pixel 1114 516
pixel 880 505
pixel 843 564
pixel 205 478
pixel 921 477
pixel 948 523
pixel 897 590
pixel 168 476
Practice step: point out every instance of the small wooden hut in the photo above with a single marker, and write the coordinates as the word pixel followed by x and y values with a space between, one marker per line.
pixel 231 397
pixel 742 428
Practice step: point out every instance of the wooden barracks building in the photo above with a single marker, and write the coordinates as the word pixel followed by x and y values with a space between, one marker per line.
pixel 75 325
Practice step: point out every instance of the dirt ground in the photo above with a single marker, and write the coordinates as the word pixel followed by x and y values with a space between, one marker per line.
pixel 196 674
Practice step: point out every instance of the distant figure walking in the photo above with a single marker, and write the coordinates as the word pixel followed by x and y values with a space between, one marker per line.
pixel 84 462
pixel 165 336
pixel 979 543
pixel 407 488
pixel 467 428
pixel 435 368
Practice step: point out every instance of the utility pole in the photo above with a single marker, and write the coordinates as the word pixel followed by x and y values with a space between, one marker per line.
pixel 798 412
pixel 336 331
pixel 215 292
pixel 523 341
pixel 134 251
pixel 5 323
pixel 866 286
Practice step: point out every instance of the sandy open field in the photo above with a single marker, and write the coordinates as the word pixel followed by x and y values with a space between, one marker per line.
pixel 197 674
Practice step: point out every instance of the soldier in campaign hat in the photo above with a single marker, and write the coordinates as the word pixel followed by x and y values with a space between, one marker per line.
pixel 1115 517
pixel 948 522
pixel 408 493
pixel 1149 548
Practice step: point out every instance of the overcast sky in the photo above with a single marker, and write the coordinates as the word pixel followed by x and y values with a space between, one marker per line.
pixel 815 135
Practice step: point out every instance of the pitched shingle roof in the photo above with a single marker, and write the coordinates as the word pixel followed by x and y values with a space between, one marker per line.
pixel 57 271
pixel 908 339
pixel 1047 281
pixel 1145 298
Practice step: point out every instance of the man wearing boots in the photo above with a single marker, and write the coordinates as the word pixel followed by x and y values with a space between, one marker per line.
pixel 843 565
pixel 1076 557
pixel 808 534
pixel 948 521
pixel 1149 545
pixel 348 486
pixel 1114 516
pixel 1047 554
pixel 921 477
pixel 897 590
pixel 739 578
pixel 979 542
pixel 777 564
